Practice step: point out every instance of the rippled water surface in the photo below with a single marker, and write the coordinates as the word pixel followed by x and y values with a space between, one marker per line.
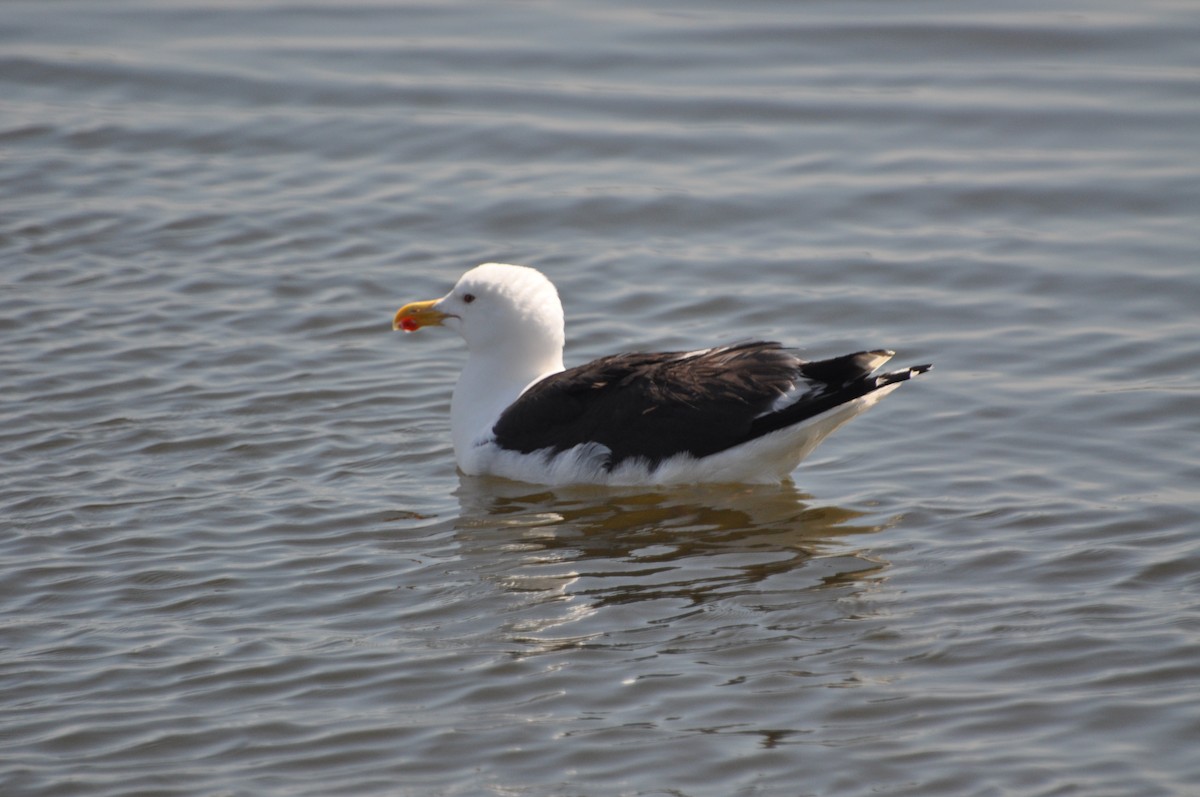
pixel 237 558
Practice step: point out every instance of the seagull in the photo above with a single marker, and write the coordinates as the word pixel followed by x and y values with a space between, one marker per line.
pixel 739 413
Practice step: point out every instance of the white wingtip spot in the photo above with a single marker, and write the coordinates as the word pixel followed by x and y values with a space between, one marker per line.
pixel 878 358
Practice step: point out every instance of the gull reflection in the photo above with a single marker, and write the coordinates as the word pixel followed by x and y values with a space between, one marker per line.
pixel 610 546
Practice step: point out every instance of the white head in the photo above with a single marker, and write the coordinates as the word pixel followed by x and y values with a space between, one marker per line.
pixel 504 311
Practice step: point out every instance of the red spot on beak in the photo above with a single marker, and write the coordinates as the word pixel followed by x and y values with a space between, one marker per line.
pixel 408 325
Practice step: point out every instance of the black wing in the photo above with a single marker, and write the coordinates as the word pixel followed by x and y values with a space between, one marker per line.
pixel 654 406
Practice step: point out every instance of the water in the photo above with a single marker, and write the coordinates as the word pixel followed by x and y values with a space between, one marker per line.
pixel 237 558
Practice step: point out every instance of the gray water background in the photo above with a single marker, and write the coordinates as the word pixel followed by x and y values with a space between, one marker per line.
pixel 236 557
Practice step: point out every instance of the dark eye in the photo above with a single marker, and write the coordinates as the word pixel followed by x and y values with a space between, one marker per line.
pixel 468 298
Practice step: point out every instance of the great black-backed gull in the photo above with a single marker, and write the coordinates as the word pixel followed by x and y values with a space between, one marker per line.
pixel 747 412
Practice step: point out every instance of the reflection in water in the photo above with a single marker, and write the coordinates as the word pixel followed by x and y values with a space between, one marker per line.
pixel 697 543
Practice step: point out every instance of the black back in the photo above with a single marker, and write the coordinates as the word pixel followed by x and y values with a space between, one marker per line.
pixel 654 406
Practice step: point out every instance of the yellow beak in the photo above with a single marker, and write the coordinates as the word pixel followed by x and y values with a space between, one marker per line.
pixel 415 315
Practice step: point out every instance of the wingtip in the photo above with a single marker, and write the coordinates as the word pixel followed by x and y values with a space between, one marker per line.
pixel 870 360
pixel 903 375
